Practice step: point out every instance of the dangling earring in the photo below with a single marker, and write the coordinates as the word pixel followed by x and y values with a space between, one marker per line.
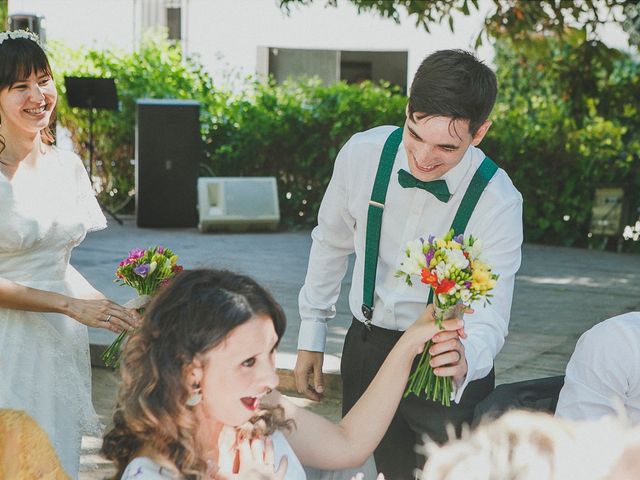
pixel 196 396
pixel 42 148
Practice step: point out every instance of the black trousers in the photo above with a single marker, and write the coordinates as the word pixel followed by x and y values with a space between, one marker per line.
pixel 362 356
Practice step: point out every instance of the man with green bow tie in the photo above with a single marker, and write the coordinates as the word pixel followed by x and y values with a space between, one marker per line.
pixel 391 185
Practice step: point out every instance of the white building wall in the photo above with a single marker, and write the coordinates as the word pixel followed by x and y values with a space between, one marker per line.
pixel 226 34
pixel 95 23
pixel 234 28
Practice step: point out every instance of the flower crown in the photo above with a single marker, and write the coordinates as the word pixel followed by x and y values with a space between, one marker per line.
pixel 14 34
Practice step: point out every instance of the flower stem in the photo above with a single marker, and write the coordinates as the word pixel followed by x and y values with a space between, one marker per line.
pixel 423 382
pixel 111 355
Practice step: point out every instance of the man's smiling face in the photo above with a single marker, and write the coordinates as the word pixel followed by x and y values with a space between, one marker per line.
pixel 435 145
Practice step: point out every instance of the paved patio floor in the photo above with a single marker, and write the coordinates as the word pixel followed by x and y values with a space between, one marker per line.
pixel 559 294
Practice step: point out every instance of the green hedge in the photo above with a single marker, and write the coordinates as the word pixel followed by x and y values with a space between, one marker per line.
pixel 294 132
pixel 558 138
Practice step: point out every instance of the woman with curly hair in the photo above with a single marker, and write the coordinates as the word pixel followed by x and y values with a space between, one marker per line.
pixel 196 397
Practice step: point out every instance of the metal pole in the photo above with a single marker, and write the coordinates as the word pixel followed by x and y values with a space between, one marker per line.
pixel 91 144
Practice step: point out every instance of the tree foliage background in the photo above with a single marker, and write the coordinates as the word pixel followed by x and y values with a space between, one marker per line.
pixel 516 19
pixel 4 13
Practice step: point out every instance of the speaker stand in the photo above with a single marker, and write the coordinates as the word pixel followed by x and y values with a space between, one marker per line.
pixel 112 214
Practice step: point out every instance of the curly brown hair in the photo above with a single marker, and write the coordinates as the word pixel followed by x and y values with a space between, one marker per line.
pixel 189 317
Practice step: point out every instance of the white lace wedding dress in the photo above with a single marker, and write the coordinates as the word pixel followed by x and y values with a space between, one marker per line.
pixel 45 211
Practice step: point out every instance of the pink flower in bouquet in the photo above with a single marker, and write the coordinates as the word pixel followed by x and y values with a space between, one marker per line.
pixel 136 253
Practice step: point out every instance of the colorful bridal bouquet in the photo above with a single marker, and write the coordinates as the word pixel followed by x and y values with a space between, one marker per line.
pixel 452 267
pixel 145 271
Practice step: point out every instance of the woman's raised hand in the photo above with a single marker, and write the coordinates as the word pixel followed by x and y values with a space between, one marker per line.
pixel 424 328
pixel 103 313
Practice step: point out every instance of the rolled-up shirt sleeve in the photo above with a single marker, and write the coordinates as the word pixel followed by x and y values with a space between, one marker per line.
pixel 332 243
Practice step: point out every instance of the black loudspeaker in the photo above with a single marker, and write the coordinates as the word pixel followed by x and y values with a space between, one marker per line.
pixel 168 155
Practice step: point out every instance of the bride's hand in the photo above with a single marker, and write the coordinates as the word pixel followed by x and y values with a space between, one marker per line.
pixel 103 313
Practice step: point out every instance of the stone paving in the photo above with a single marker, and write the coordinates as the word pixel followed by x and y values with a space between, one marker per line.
pixel 560 293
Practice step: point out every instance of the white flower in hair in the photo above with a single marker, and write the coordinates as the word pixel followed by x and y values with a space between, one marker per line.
pixel 14 34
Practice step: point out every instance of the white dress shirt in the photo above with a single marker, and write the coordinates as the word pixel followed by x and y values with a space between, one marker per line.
pixel 408 214
pixel 603 373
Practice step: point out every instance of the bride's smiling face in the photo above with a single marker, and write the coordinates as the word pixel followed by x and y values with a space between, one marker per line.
pixel 27 104
pixel 239 372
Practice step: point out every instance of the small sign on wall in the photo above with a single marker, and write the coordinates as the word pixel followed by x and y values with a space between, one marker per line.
pixel 606 214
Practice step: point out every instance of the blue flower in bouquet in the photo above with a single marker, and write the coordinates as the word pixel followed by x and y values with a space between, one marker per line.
pixel 142 270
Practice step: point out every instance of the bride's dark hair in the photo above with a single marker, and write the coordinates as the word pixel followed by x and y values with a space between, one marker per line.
pixel 19 58
pixel 189 317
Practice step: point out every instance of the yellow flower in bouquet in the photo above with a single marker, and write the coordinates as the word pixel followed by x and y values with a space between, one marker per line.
pixel 482 280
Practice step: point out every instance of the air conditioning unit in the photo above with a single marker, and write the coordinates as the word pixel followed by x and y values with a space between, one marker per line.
pixel 238 203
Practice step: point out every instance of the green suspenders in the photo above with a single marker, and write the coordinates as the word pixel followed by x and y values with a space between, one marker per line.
pixel 480 179
pixel 374 219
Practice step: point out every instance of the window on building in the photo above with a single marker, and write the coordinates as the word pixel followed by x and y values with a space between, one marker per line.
pixel 174 23
pixel 376 66
pixel 334 65
pixel 355 72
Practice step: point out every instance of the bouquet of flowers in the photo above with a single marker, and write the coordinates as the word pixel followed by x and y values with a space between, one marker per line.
pixel 145 271
pixel 452 267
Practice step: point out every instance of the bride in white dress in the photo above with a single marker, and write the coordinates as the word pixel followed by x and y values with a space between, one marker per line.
pixel 46 208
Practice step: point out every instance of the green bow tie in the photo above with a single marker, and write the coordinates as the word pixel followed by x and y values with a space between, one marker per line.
pixel 437 187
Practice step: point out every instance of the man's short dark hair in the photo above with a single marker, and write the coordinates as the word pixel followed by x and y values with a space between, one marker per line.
pixel 453 83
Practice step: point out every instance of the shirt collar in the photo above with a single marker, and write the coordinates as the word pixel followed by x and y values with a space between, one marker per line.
pixel 453 177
